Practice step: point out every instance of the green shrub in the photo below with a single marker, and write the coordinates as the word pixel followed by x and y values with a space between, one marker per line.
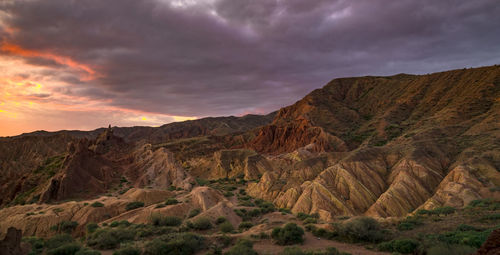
pixel 65 226
pixel 242 247
pixel 254 212
pixel 468 238
pixel 409 223
pixel 298 251
pixel 464 227
pixel 123 223
pixel 443 210
pixel 404 246
pixel 226 227
pixel 110 238
pixel 245 225
pixel 310 221
pixel 224 240
pixel 360 229
pixel 171 201
pixel 149 230
pixel 202 224
pixel 285 210
pixel 134 205
pixel 97 204
pixel 491 217
pixel 266 207
pixel 87 251
pixel 486 203
pixel 160 220
pixel 92 227
pixel 37 244
pixel 220 220
pixel 128 251
pixel 58 240
pixel 310 227
pixel 303 216
pixel 423 212
pixel 193 213
pixel 441 249
pixel 65 249
pixel 292 251
pixel 175 244
pixel 202 182
pixel 289 234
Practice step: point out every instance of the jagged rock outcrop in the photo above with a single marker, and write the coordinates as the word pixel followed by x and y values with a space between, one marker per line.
pixel 157 169
pixel 379 146
pixel 11 244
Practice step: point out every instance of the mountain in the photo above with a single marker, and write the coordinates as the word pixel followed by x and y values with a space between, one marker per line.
pixel 391 144
pixel 30 159
pixel 375 146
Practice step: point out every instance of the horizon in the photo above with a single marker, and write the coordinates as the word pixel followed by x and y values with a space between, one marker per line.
pixel 224 116
pixel 82 65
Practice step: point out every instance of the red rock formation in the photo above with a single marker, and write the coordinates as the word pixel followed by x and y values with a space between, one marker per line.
pixel 492 244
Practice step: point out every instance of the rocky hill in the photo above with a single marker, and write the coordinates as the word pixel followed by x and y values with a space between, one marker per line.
pixel 401 143
pixel 376 146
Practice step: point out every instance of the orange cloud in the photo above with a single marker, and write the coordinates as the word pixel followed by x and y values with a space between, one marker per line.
pixel 17 50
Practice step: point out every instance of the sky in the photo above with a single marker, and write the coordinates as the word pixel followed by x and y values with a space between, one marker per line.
pixel 84 64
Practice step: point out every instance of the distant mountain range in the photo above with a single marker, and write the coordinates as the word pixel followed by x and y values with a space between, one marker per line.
pixel 377 146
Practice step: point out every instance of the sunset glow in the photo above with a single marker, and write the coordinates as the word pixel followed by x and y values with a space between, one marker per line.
pixel 87 64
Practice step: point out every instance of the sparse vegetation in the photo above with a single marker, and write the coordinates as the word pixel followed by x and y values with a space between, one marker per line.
pixel 409 223
pixel 361 229
pixel 242 247
pixel 134 205
pixel 202 224
pixel 64 227
pixel 97 204
pixel 175 244
pixel 289 234
pixel 245 225
pixel 226 227
pixel 171 201
pixel 193 213
pixel 128 251
pixel 160 220
pixel 404 246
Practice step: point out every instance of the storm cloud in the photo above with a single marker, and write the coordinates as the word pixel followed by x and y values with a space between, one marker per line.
pixel 231 57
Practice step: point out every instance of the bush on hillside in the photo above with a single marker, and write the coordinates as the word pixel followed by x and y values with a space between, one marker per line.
pixel 289 234
pixel 242 247
pixel 58 240
pixel 65 249
pixel 134 205
pixel 404 246
pixel 245 225
pixel 171 201
pixel 220 220
pixel 65 227
pixel 193 213
pixel 128 251
pixel 97 204
pixel 226 227
pixel 175 244
pixel 87 251
pixel 202 224
pixel 160 220
pixel 106 238
pixel 361 229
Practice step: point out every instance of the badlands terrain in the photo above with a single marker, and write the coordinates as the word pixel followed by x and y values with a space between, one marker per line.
pixel 366 165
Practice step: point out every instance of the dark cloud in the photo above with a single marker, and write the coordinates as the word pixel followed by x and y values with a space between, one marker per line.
pixel 234 56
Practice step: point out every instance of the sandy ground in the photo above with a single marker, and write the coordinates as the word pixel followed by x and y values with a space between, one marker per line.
pixel 312 243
